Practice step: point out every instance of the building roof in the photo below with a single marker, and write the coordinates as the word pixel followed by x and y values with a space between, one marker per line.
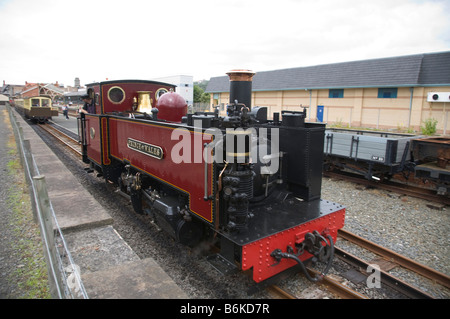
pixel 53 88
pixel 75 94
pixel 11 89
pixel 404 71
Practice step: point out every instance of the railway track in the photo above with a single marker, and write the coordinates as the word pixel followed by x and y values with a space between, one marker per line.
pixel 387 259
pixel 396 258
pixel 71 143
pixel 332 285
pixel 396 187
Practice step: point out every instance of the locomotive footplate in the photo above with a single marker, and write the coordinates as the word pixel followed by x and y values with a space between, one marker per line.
pixel 275 237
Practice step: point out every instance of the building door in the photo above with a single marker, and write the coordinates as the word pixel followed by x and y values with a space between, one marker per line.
pixel 320 113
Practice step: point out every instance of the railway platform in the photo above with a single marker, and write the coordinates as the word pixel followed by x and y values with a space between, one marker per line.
pixel 71 124
pixel 108 266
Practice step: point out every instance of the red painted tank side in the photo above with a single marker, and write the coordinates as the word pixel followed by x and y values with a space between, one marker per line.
pixel 187 177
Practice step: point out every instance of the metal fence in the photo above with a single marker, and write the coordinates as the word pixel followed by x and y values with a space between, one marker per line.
pixel 63 274
pixel 199 107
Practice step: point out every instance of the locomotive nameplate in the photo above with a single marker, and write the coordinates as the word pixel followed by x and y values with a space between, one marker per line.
pixel 145 148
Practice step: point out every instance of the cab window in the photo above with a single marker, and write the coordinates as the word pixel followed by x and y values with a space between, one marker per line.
pixel 35 102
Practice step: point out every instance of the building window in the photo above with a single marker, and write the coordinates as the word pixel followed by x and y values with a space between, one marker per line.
pixel 336 93
pixel 388 93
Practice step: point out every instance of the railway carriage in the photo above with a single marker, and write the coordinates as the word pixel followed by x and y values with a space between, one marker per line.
pixel 250 185
pixel 37 109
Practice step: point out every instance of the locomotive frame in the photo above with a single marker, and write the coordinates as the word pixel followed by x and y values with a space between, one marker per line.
pixel 162 159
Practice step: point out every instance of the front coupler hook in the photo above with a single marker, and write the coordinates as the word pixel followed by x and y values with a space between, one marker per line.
pixel 277 254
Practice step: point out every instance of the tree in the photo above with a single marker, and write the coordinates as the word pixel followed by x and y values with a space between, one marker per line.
pixel 199 95
pixel 202 84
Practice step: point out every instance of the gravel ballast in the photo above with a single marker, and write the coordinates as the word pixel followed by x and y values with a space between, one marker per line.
pixel 403 224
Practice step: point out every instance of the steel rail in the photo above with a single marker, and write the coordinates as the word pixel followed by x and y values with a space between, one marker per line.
pixel 63 138
pixel 385 278
pixel 394 257
pixel 400 188
pixel 337 288
pixel 328 283
pixel 342 291
pixel 280 293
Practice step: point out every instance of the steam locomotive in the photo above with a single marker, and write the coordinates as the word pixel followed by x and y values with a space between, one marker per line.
pixel 250 184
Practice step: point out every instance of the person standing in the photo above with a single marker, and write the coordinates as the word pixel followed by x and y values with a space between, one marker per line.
pixel 88 106
pixel 65 110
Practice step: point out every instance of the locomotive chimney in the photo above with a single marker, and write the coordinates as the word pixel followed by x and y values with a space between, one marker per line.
pixel 241 86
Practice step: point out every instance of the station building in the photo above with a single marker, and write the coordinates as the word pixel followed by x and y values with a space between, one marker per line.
pixel 11 90
pixel 42 89
pixel 387 93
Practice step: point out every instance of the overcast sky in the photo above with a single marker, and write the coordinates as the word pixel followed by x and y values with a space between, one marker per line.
pixel 57 40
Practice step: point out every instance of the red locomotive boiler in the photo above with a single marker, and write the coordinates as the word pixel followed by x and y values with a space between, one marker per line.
pixel 248 183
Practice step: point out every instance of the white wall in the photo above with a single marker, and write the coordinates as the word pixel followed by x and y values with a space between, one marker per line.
pixel 185 86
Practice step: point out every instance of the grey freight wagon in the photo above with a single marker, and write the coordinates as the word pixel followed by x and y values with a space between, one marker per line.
pixel 375 155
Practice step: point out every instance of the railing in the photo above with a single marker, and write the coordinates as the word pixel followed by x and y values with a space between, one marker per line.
pixel 63 274
pixel 199 107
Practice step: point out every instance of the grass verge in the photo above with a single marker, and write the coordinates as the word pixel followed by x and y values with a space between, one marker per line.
pixel 30 275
